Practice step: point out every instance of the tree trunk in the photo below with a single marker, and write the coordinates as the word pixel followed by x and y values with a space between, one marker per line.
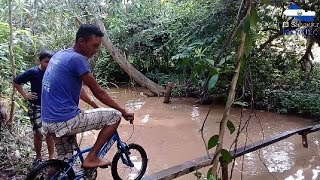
pixel 13 64
pixel 126 66
pixel 3 113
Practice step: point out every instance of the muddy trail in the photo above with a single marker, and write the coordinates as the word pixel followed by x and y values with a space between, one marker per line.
pixel 170 135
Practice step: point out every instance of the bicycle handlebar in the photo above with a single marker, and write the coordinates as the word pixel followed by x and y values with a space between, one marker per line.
pixel 130 120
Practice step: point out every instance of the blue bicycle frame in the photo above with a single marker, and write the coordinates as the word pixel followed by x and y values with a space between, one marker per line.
pixel 122 147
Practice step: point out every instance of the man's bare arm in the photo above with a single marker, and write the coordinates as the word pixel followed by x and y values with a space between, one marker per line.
pixel 27 96
pixel 99 93
pixel 85 97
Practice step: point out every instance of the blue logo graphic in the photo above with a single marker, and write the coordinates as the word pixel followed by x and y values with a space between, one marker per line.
pixel 300 14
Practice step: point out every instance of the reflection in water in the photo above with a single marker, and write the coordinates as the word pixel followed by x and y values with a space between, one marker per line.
pixel 250 167
pixel 279 157
pixel 134 104
pixel 315 173
pixel 195 113
pixel 297 176
pixel 145 119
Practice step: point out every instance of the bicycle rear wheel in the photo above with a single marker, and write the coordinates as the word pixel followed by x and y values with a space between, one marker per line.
pixel 122 171
pixel 51 169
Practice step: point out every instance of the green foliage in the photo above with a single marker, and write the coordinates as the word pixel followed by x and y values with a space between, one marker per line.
pixel 16 149
pixel 213 141
pixel 226 156
pixel 210 175
pixel 295 102
pixel 254 18
pixel 248 46
pixel 213 81
pixel 24 48
pixel 230 126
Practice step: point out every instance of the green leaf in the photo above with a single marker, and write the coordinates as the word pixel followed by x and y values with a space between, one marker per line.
pixel 213 141
pixel 240 103
pixel 214 71
pixel 226 156
pixel 248 45
pixel 246 25
pixel 230 126
pixel 239 31
pixel 197 174
pixel 210 175
pixel 253 18
pixel 266 1
pixel 222 61
pixel 213 81
pixel 210 61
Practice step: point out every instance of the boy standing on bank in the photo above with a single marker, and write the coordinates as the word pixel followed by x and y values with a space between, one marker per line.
pixel 34 75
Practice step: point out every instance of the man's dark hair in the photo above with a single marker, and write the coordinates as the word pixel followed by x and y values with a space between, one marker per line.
pixel 86 30
pixel 45 53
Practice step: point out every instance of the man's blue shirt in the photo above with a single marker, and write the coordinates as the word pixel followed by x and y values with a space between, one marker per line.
pixel 61 86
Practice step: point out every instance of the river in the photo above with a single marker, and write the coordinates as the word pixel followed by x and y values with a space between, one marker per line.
pixel 170 135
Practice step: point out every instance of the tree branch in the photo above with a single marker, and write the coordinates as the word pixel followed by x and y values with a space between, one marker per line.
pixel 79 21
pixel 223 123
pixel 265 44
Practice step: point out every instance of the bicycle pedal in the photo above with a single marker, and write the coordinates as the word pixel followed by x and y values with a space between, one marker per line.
pixel 91 174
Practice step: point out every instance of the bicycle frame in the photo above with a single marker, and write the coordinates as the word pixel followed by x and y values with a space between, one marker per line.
pixel 115 138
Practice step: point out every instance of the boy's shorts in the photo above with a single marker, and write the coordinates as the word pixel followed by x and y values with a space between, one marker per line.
pixel 34 112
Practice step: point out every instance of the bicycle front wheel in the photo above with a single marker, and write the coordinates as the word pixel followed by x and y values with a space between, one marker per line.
pixel 51 169
pixel 122 171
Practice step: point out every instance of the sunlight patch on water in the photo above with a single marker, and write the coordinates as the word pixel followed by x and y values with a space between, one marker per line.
pixel 316 173
pixel 250 164
pixel 297 176
pixel 195 113
pixel 134 104
pixel 145 119
pixel 279 157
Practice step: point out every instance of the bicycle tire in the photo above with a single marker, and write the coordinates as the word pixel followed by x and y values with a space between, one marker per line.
pixel 50 163
pixel 116 158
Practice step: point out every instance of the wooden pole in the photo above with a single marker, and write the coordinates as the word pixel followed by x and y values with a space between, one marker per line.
pixel 305 140
pixel 168 93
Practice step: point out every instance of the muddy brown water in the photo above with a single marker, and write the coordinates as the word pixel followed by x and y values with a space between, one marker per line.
pixel 170 135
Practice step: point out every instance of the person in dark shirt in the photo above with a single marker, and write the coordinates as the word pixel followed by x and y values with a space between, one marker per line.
pixel 34 75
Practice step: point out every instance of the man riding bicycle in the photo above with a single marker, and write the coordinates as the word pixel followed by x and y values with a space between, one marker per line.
pixel 61 90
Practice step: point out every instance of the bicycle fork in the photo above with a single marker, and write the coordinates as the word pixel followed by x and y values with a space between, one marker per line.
pixel 125 154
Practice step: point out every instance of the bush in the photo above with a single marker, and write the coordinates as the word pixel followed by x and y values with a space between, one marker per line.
pixel 296 102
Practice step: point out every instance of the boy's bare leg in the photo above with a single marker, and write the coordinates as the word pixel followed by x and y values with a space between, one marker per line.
pixel 92 160
pixel 50 144
pixel 37 142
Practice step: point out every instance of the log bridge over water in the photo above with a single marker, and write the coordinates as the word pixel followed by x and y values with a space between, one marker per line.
pixel 201 162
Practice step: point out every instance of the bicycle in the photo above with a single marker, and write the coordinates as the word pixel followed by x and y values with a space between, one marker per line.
pixel 58 169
